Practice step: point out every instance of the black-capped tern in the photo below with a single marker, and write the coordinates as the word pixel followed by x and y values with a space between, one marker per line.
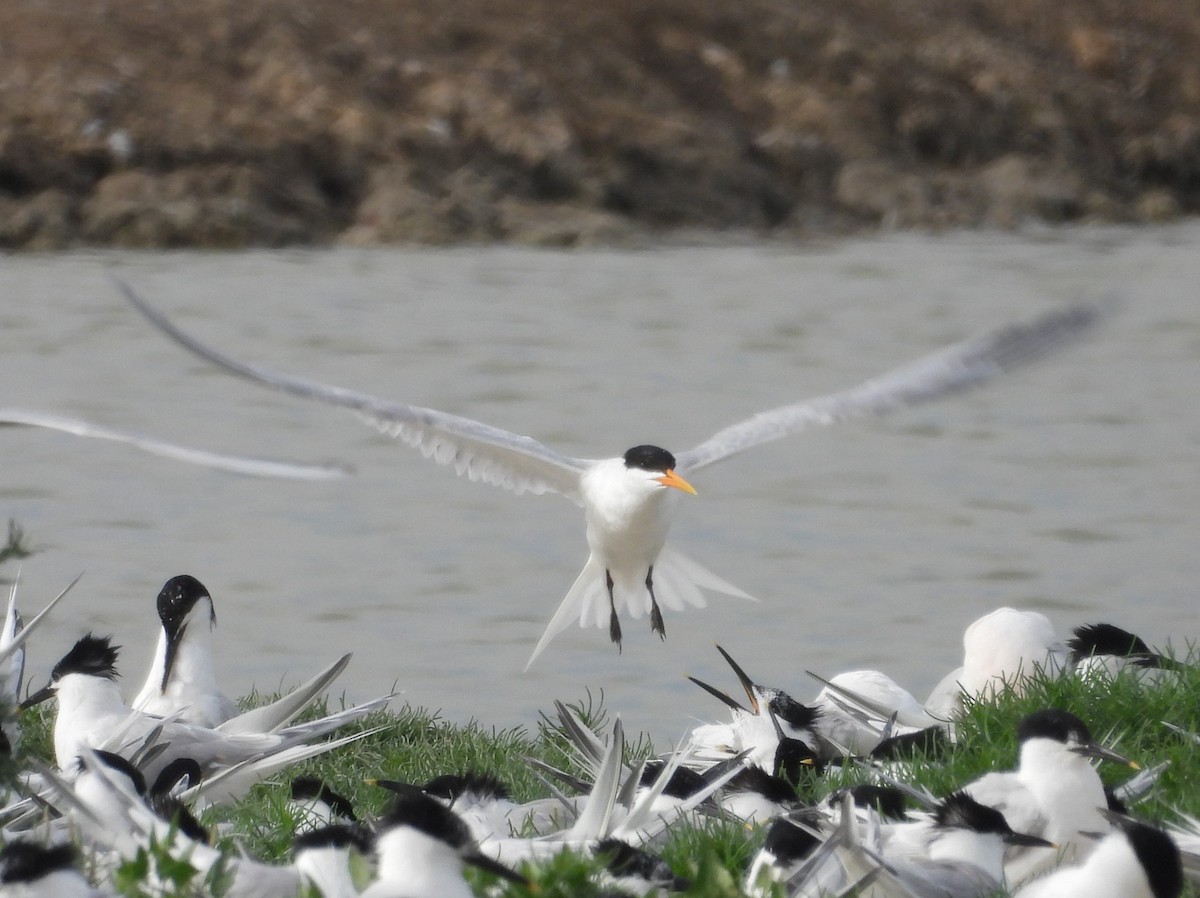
pixel 182 679
pixel 1054 792
pixel 421 848
pixel 1135 860
pixel 1104 650
pixel 91 714
pixel 31 870
pixel 629 500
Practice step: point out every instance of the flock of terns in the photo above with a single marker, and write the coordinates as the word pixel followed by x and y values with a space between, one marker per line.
pixel 128 774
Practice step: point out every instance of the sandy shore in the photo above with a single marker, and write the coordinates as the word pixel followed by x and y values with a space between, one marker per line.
pixel 224 123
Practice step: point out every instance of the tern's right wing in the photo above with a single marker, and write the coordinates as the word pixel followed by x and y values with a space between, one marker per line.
pixel 950 370
pixel 482 452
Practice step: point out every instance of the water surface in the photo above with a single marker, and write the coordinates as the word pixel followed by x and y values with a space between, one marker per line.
pixel 1070 487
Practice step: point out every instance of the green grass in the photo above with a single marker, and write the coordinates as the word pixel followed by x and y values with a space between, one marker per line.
pixel 1124 713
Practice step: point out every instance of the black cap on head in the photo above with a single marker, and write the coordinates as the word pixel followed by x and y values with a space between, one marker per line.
pixel 683 783
pixel 92 655
pixel 1104 639
pixel 788 841
pixel 889 801
pixel 118 764
pixel 1054 723
pixel 622 859
pixel 961 810
pixel 451 786
pixel 414 808
pixel 23 861
pixel 337 836
pixel 312 789
pixel 1157 853
pixel 650 458
pixel 177 598
pixel 753 778
pixel 795 714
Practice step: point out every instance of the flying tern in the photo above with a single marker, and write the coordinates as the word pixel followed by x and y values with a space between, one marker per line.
pixel 629 500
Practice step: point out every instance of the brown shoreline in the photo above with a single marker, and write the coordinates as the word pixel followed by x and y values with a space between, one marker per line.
pixel 222 123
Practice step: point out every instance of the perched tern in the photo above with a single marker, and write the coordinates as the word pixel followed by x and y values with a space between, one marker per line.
pixel 1134 861
pixel 422 846
pixel 1054 792
pixel 629 500
pixel 958 851
pixel 1104 650
pixel 773 718
pixel 182 679
pixel 31 870
pixel 323 858
pixel 314 805
pixel 91 714
pixel 1000 651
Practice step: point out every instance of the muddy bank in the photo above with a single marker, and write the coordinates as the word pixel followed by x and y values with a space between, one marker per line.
pixel 224 123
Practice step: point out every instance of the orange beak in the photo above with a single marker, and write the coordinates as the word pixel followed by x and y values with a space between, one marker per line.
pixel 673 479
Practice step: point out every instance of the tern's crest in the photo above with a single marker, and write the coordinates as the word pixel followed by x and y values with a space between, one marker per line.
pixel 91 655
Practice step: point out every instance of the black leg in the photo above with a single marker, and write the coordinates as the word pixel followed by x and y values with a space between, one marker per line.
pixel 614 625
pixel 656 621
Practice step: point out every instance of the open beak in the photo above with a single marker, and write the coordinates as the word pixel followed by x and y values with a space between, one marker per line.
pixel 674 480
pixel 721 696
pixel 747 683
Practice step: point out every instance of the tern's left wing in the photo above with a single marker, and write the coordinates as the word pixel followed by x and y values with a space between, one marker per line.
pixel 238 464
pixel 482 452
pixel 957 367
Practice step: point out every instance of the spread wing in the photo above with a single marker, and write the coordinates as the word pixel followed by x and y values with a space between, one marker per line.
pixel 238 464
pixel 950 370
pixel 480 451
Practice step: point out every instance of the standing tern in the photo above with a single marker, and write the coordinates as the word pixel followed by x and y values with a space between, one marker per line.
pixel 1054 792
pixel 182 679
pixel 91 714
pixel 628 501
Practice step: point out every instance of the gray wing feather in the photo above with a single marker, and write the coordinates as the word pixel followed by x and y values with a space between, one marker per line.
pixel 955 368
pixel 481 452
pixel 238 464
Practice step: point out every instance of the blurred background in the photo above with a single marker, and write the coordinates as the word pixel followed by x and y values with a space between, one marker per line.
pixel 599 225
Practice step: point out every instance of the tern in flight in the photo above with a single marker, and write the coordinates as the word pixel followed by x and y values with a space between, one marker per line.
pixel 628 501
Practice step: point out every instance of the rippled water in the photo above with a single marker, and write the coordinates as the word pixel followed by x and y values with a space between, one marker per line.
pixel 1070 487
